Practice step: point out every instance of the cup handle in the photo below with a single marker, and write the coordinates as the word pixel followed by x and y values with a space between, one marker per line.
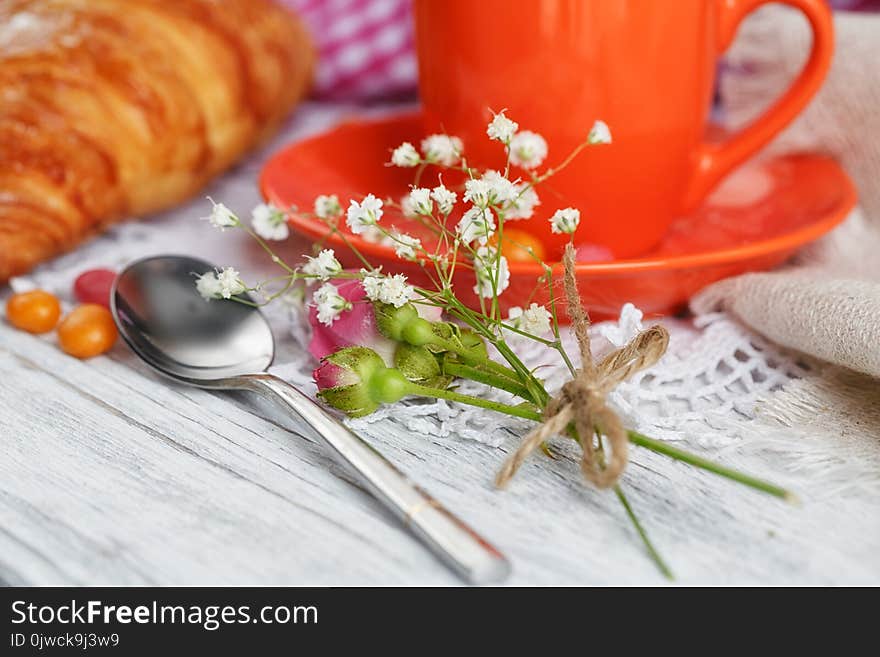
pixel 714 161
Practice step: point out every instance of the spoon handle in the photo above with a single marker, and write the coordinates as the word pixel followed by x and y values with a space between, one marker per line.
pixel 459 546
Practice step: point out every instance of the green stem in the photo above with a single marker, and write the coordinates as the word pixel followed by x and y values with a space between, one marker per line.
pixel 692 459
pixel 488 378
pixel 652 551
pixel 635 438
pixel 451 395
pixel 468 356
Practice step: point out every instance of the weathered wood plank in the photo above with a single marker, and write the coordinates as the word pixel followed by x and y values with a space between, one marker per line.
pixel 111 476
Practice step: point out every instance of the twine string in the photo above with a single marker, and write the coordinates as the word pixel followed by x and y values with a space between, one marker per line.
pixel 582 401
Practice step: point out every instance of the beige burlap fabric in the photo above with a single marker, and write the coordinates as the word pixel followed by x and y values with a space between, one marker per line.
pixel 827 304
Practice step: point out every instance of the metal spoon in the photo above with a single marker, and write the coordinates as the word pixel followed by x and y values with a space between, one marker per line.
pixel 225 345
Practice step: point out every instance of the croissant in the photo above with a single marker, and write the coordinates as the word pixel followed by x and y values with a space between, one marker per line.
pixel 113 108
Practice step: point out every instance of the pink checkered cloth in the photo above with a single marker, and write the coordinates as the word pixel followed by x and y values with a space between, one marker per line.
pixel 365 48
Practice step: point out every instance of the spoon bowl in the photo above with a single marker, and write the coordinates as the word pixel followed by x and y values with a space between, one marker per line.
pixel 179 333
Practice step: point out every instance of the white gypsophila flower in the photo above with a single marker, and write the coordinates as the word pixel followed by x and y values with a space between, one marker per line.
pixel 208 285
pixel 405 155
pixel 476 224
pixel 392 290
pixel 534 320
pixel 445 199
pixel 329 303
pixel 327 206
pixel 501 128
pixel 493 275
pixel 371 282
pixel 523 205
pixel 408 207
pixel 501 190
pixel 222 217
pixel 599 133
pixel 406 246
pixel 364 214
pixel 442 149
pixel 229 282
pixel 269 222
pixel 420 201
pixel 628 326
pixel 527 149
pixel 477 191
pixel 565 221
pixel 323 266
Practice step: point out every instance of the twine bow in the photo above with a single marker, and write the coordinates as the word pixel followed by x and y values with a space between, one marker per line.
pixel 582 400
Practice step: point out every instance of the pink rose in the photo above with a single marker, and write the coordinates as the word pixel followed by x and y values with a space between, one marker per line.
pixel 356 327
pixel 331 375
pixel 355 380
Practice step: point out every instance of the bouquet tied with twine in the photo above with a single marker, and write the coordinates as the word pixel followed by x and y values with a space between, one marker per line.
pixel 581 408
pixel 381 338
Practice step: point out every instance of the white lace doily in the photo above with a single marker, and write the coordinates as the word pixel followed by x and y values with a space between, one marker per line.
pixel 707 383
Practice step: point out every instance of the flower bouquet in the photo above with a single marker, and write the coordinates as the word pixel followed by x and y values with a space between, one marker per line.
pixel 401 340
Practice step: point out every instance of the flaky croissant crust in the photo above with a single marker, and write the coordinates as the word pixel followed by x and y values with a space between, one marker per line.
pixel 113 108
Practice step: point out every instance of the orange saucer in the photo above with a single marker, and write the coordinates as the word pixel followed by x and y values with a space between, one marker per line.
pixel 754 220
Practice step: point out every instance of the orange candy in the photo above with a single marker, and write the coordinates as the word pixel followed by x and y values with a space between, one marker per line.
pixel 36 311
pixel 515 245
pixel 87 331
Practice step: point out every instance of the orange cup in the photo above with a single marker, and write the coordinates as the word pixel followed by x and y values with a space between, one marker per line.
pixel 645 67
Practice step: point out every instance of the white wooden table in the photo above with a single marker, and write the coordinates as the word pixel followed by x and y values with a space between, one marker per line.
pixel 109 475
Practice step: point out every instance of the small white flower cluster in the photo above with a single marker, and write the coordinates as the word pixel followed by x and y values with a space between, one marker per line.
pixel 406 246
pixel 444 198
pixel 269 222
pixel 393 290
pixel 628 326
pixel 405 155
pixel 599 133
pixel 442 149
pixel 329 303
pixel 492 273
pixel 522 206
pixel 323 267
pixel 501 128
pixel 363 215
pixel 327 206
pixel 419 202
pixel 527 149
pixel 490 189
pixel 476 225
pixel 222 217
pixel 534 320
pixel 223 284
pixel 565 221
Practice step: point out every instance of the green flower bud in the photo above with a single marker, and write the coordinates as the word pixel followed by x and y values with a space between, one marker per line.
pixel 421 366
pixel 403 324
pixel 391 321
pixel 388 386
pixel 356 381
